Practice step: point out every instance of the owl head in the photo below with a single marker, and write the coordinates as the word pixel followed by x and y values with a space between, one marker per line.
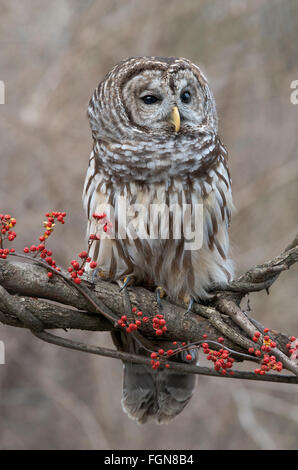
pixel 156 96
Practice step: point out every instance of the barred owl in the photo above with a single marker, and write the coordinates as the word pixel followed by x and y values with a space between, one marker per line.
pixel 155 142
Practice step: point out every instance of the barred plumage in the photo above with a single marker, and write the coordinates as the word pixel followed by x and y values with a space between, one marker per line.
pixel 138 155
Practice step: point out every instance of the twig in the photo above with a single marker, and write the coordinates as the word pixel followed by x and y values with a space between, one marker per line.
pixel 185 368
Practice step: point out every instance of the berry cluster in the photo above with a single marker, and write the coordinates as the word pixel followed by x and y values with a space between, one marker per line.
pixel 157 358
pixel 49 227
pixel 44 254
pixel 221 358
pixel 4 252
pixel 102 222
pixel 41 249
pixel 6 224
pixel 160 357
pixel 269 363
pixel 267 343
pixel 50 223
pixel 130 324
pixel 159 324
pixel 293 348
pixel 77 269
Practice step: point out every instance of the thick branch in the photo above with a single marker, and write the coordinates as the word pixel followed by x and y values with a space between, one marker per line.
pixel 28 298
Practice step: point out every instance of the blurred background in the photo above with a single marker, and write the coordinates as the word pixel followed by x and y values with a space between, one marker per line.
pixel 53 54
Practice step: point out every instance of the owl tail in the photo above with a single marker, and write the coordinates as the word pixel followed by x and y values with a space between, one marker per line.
pixel 155 394
pixel 159 394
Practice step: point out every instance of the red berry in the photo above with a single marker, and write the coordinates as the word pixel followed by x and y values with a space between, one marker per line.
pixel 75 265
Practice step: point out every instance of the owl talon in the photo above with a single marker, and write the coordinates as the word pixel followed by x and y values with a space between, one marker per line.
pixel 95 273
pixel 160 294
pixel 127 280
pixel 190 305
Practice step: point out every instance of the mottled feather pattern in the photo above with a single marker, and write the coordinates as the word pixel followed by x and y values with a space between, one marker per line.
pixel 142 259
pixel 137 155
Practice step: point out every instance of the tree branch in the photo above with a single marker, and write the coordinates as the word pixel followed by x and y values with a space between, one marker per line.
pixel 29 299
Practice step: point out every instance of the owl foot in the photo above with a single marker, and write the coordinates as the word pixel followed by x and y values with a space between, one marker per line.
pixel 160 294
pixel 127 280
pixel 97 272
pixel 190 305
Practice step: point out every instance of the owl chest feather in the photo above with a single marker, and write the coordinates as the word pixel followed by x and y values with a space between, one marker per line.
pixel 149 248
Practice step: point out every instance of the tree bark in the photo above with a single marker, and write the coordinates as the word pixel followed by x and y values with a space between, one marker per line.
pixel 29 299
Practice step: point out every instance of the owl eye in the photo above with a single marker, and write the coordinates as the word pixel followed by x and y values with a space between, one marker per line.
pixel 149 99
pixel 185 97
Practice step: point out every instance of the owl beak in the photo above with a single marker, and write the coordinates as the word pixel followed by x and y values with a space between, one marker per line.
pixel 175 118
